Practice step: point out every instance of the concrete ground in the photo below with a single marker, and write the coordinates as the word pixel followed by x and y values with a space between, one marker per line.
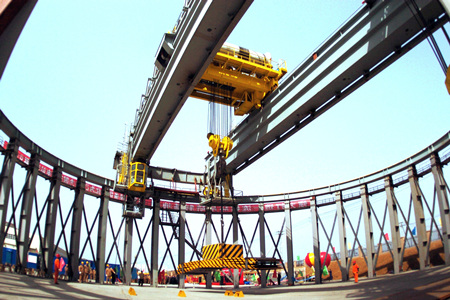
pixel 432 283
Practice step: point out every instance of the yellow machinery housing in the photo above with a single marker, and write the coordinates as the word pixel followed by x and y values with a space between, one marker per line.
pixel 240 78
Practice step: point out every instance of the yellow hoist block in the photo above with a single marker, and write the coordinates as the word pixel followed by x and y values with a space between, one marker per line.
pixel 181 293
pixel 214 143
pixel 229 293
pixel 226 144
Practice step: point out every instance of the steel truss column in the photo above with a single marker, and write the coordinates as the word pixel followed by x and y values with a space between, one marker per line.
pixel 101 236
pixel 6 178
pixel 155 242
pixel 127 249
pixel 370 246
pixel 393 220
pixel 262 242
pixel 75 232
pixel 50 220
pixel 442 196
pixel 316 241
pixel 416 194
pixel 25 212
pixel 342 235
pixel 208 235
pixel 235 241
pixel 289 251
pixel 182 241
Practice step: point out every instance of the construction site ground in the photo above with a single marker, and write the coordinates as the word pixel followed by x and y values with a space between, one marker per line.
pixel 411 284
pixel 432 283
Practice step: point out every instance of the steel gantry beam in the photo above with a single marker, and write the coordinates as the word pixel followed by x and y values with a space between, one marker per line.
pixel 375 37
pixel 203 28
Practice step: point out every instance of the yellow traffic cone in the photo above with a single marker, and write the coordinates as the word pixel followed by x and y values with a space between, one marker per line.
pixel 132 292
pixel 239 294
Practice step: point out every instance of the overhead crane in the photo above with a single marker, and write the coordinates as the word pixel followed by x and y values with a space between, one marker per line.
pixel 372 39
pixel 183 56
pixel 236 77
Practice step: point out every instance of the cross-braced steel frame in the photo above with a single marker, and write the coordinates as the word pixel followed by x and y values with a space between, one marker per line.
pixel 77 214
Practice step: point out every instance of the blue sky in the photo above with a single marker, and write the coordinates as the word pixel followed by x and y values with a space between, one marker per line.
pixel 79 68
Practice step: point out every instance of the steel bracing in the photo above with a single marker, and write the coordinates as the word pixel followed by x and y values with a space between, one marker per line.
pixel 49 206
pixel 173 232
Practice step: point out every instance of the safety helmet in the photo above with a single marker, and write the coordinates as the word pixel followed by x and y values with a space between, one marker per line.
pixel 107 265
pixel 58 256
pixel 354 262
pixel 82 262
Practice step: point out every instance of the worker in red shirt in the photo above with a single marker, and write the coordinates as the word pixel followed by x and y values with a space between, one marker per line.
pixel 355 271
pixel 56 270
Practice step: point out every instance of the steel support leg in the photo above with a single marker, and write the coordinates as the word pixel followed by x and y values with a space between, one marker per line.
pixel 50 221
pixel 444 208
pixel 182 242
pixel 393 220
pixel 208 241
pixel 316 241
pixel 101 236
pixel 235 241
pixel 342 236
pixel 370 246
pixel 262 242
pixel 6 178
pixel 128 248
pixel 422 240
pixel 25 212
pixel 75 233
pixel 289 250
pixel 155 242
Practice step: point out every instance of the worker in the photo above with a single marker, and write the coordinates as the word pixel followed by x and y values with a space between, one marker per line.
pixel 108 274
pixel 355 271
pixel 141 278
pixel 87 272
pixel 81 272
pixel 56 270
